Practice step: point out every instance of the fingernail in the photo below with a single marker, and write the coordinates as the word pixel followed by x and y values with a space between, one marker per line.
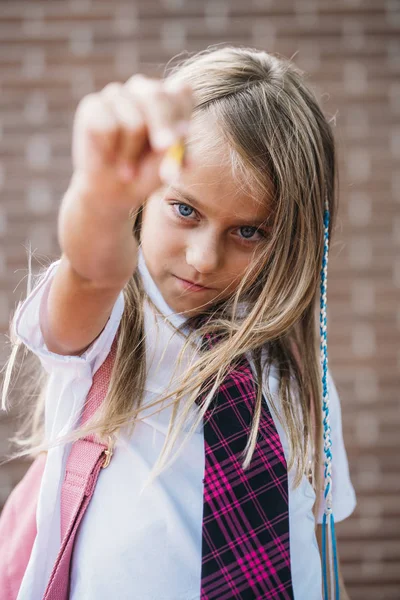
pixel 163 138
pixel 169 170
pixel 182 128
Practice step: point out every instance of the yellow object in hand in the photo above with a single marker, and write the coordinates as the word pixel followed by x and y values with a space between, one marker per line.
pixel 172 162
pixel 176 152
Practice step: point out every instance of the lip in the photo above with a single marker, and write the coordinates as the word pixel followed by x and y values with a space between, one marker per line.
pixel 190 285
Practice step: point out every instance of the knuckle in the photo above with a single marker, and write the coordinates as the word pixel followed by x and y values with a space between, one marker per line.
pixel 129 115
pixel 113 85
pixel 136 77
pixel 136 82
pixel 86 102
pixel 161 96
pixel 87 107
pixel 141 86
pixel 111 89
pixel 95 115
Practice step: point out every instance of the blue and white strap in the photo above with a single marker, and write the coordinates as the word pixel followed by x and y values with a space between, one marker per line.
pixel 329 554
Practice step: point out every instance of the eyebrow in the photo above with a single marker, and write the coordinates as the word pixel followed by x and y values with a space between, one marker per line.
pixel 192 200
pixel 185 196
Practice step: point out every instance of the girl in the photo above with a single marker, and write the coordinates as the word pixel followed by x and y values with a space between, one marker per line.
pixel 205 281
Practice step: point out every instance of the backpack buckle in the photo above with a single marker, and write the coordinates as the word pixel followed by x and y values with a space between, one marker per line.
pixel 109 452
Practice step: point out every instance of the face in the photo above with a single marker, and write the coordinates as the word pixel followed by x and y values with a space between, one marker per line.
pixel 200 235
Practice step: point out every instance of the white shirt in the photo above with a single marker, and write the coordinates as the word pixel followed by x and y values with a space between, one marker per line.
pixel 146 543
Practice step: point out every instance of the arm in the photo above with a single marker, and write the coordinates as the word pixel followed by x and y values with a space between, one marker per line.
pixel 116 151
pixel 99 255
pixel 343 592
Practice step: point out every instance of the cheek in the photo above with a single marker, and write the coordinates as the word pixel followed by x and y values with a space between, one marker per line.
pixel 236 268
pixel 238 264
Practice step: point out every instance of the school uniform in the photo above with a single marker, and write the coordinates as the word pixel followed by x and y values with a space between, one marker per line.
pixel 147 543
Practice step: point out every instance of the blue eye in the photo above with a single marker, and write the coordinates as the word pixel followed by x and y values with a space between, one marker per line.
pixel 248 232
pixel 185 210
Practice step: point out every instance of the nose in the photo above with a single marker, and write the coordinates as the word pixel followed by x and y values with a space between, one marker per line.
pixel 203 253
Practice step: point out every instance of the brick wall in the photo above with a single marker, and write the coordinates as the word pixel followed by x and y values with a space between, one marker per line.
pixel 53 52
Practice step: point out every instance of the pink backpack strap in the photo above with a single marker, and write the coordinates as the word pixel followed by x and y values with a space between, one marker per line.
pixel 86 459
pixel 18 529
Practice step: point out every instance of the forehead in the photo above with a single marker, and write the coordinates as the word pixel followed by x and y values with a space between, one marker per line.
pixel 210 179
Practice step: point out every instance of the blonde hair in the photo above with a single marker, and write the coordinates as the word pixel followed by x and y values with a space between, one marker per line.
pixel 282 147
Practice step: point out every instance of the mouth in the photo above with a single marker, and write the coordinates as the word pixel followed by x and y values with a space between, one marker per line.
pixel 191 286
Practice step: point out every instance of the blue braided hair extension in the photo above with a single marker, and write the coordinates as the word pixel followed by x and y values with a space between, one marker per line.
pixel 329 554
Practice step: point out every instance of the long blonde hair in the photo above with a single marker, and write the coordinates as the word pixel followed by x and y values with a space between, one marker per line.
pixel 282 147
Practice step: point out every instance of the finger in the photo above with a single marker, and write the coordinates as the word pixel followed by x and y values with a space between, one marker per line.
pixel 123 105
pixel 133 130
pixel 95 127
pixel 183 96
pixel 186 100
pixel 162 108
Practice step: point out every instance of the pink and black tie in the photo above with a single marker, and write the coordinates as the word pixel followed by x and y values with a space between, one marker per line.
pixel 245 540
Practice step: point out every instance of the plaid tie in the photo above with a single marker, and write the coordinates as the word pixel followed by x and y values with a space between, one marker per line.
pixel 245 543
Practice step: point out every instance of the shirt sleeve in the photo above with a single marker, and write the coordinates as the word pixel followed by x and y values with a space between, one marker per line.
pixel 343 495
pixel 26 327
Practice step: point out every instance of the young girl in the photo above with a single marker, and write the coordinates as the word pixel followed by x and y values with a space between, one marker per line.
pixel 206 281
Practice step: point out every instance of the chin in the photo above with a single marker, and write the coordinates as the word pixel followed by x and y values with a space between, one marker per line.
pixel 187 309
